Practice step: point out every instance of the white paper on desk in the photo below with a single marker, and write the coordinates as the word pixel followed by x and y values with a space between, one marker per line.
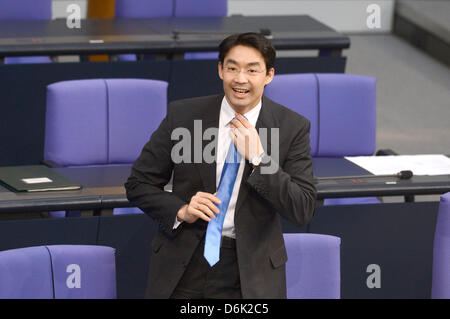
pixel 391 164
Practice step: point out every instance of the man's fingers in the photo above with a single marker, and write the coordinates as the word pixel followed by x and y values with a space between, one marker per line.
pixel 199 214
pixel 240 131
pixel 203 204
pixel 210 204
pixel 241 119
pixel 206 209
pixel 209 196
pixel 236 123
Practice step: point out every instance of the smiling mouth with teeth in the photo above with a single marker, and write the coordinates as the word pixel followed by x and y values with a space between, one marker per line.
pixel 241 90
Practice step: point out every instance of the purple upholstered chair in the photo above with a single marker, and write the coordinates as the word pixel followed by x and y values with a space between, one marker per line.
pixel 144 8
pixel 83 272
pixel 100 122
pixel 60 271
pixel 26 273
pixel 441 251
pixel 200 8
pixel 313 268
pixel 27 60
pixel 26 10
pixel 341 109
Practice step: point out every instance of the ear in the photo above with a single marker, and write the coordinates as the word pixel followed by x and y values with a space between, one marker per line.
pixel 220 69
pixel 270 75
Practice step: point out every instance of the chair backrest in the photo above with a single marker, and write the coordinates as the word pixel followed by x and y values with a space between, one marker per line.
pixel 144 8
pixel 59 271
pixel 101 122
pixel 200 8
pixel 27 59
pixel 313 268
pixel 83 271
pixel 441 251
pixel 340 107
pixel 26 273
pixel 26 9
pixel 169 8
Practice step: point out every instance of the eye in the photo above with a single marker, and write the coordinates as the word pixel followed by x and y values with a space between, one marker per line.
pixel 231 69
pixel 252 71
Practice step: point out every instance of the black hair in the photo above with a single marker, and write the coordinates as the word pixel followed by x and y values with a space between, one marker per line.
pixel 249 39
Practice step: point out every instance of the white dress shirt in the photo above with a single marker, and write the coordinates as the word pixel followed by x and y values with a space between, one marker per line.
pixel 223 144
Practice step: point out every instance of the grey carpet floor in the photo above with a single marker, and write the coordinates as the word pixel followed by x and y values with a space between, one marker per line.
pixel 413 93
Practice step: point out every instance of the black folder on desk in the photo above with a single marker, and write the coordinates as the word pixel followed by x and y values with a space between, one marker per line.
pixel 34 178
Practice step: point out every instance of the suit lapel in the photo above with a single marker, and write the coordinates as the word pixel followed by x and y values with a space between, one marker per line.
pixel 206 170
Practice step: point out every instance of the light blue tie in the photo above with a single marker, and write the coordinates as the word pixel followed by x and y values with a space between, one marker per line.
pixel 214 230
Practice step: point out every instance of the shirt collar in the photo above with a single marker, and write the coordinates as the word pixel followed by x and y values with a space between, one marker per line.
pixel 227 113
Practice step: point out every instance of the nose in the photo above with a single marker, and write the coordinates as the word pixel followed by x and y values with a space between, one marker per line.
pixel 241 77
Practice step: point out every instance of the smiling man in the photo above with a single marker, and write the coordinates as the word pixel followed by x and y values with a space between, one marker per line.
pixel 219 232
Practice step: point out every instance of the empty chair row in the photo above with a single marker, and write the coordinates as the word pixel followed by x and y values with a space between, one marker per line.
pixel 312 270
pixel 58 272
pixel 77 271
pixel 82 272
pixel 170 8
pixel 42 10
pixel 340 107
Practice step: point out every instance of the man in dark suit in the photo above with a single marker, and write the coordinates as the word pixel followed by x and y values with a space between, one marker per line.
pixel 273 178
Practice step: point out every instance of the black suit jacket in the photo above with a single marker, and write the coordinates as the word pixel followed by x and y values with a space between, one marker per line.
pixel 262 199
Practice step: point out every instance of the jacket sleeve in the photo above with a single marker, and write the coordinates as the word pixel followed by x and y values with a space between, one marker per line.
pixel 290 189
pixel 149 174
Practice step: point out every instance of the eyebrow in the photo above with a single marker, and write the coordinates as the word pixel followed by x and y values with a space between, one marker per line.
pixel 248 64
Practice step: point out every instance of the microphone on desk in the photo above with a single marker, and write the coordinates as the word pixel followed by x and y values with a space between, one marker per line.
pixel 404 174
pixel 400 175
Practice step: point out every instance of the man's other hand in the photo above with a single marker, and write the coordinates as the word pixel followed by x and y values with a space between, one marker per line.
pixel 202 205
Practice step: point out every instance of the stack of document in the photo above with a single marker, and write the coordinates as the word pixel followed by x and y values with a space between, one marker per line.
pixel 392 164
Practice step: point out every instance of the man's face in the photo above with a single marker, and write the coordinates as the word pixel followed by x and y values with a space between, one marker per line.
pixel 244 76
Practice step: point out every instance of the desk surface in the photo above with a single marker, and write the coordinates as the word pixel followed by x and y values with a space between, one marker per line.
pixel 374 186
pixel 103 187
pixel 160 35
